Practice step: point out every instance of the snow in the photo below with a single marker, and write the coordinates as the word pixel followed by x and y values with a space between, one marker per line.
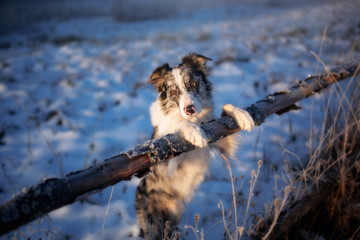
pixel 74 92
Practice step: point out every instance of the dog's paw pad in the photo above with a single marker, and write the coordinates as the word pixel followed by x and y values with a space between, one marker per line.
pixel 242 117
pixel 194 134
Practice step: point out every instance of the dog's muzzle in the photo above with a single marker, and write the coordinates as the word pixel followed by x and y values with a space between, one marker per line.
pixel 189 110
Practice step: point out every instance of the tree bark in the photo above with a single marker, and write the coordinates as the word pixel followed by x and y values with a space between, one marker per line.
pixel 54 193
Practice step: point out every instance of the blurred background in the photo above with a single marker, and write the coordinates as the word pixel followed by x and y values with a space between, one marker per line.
pixel 73 92
pixel 17 13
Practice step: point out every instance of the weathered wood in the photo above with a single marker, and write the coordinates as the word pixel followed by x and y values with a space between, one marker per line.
pixel 54 193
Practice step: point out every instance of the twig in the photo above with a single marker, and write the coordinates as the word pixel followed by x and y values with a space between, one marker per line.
pixel 278 209
pixel 233 193
pixel 254 177
pixel 107 211
pixel 220 204
pixel 92 131
pixel 52 151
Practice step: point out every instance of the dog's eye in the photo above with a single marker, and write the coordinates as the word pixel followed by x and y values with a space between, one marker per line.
pixel 193 84
pixel 173 92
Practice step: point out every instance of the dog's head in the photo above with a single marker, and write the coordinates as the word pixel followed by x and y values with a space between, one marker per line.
pixel 185 87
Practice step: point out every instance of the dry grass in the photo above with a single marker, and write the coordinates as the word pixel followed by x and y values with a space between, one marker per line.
pixel 336 162
pixel 233 229
pixel 326 200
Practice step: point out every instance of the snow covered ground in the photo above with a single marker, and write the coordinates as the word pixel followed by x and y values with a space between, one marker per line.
pixel 74 92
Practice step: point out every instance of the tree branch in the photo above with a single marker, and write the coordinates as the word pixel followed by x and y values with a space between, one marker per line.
pixel 54 193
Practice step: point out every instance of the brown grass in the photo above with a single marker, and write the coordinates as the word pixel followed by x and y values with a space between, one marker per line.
pixel 326 201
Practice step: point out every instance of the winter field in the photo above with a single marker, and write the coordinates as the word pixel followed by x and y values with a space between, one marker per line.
pixel 73 92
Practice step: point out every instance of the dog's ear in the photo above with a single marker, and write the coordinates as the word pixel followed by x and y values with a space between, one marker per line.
pixel 196 61
pixel 157 78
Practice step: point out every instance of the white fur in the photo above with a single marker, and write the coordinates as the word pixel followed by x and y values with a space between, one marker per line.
pixel 186 98
pixel 174 122
pixel 193 133
pixel 178 78
pixel 242 117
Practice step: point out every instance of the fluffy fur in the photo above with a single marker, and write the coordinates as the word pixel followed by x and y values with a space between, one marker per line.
pixel 183 103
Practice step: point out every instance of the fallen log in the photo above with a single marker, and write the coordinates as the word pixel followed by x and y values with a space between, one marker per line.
pixel 54 193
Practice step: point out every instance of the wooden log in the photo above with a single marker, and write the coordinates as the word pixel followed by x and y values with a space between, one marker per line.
pixel 54 193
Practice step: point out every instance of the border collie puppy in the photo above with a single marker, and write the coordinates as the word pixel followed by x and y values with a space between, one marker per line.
pixel 184 102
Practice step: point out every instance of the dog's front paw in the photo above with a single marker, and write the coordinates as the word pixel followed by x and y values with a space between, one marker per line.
pixel 193 134
pixel 242 117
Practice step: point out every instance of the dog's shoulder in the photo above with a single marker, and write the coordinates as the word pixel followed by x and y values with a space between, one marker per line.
pixel 163 123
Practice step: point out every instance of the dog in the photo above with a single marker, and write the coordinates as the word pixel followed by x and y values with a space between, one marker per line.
pixel 184 102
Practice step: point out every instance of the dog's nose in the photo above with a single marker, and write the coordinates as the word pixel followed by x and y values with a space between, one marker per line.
pixel 189 109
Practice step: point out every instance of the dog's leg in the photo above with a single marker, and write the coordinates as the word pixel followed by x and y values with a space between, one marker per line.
pixel 193 134
pixel 155 205
pixel 142 208
pixel 242 117
pixel 229 145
